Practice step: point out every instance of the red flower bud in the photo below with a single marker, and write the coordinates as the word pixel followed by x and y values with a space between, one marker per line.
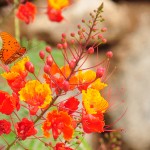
pixel 48 49
pixel 42 54
pixel 72 64
pixel 104 29
pixel 81 36
pixel 93 37
pixel 63 35
pixel 83 29
pixel 79 26
pixel 79 32
pixel 72 41
pixel 49 60
pixel 66 86
pixel 29 66
pixel 94 29
pixel 65 45
pixel 100 36
pixel 59 46
pixel 47 69
pixel 72 34
pixel 100 72
pixel 83 20
pixel 63 40
pixel 109 54
pixel 104 40
pixel 91 50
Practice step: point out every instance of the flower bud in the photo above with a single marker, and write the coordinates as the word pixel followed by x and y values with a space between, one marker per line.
pixel 48 49
pixel 94 29
pixel 63 35
pixel 65 45
pixel 83 20
pixel 72 34
pixel 49 60
pixel 104 29
pixel 72 41
pixel 81 36
pixel 83 29
pixel 79 26
pixel 104 40
pixel 93 37
pixel 79 32
pixel 42 54
pixel 59 46
pixel 91 50
pixel 63 40
pixel 100 36
pixel 100 72
pixel 109 54
pixel 29 66
pixel 72 64
pixel 47 69
pixel 66 86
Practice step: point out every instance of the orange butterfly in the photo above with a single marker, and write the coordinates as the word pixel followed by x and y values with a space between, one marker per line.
pixel 11 49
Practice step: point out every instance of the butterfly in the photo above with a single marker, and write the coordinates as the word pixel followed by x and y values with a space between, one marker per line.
pixel 11 49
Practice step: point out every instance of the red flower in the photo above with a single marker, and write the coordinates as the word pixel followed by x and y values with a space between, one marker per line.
pixel 26 12
pixel 25 128
pixel 55 9
pixel 93 123
pixel 17 83
pixel 61 146
pixel 7 103
pixel 17 101
pixel 5 127
pixel 70 106
pixel 59 122
pixel 54 15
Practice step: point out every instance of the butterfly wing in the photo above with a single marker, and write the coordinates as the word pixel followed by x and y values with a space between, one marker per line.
pixel 10 49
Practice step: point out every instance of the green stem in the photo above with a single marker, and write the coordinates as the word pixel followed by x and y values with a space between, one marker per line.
pixel 16 22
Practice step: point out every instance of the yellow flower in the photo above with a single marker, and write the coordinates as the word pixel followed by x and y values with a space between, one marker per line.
pixel 36 94
pixel 98 85
pixel 16 70
pixel 86 77
pixel 93 101
pixel 58 4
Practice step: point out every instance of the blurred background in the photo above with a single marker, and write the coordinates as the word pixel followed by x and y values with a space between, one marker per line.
pixel 128 35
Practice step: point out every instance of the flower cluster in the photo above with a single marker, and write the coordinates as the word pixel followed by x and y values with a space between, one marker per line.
pixel 68 118
pixel 27 11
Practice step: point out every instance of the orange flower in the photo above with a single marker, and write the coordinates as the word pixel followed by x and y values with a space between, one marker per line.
pixel 54 69
pixel 36 94
pixel 17 74
pixel 57 78
pixel 66 71
pixel 59 122
pixel 26 12
pixel 93 102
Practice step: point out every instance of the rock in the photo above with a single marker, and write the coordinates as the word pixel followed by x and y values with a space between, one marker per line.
pixel 133 61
